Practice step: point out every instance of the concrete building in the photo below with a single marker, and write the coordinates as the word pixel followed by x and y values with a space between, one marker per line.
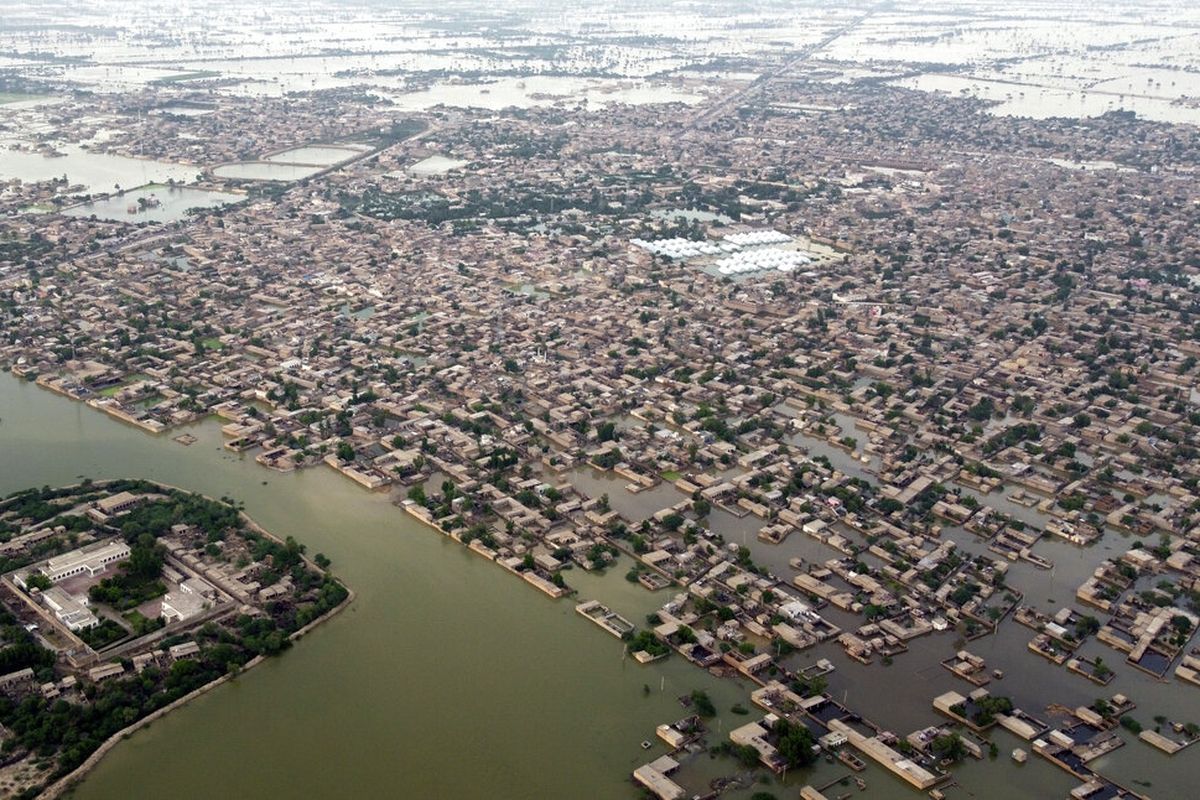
pixel 85 561
pixel 653 776
pixel 70 610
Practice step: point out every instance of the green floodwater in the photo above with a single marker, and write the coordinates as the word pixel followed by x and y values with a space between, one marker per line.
pixel 450 678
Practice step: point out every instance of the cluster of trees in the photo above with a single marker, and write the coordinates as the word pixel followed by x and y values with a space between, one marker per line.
pixel 609 458
pixel 20 650
pixel 986 709
pixel 646 640
pixel 497 204
pixel 982 410
pixel 104 634
pixel 794 743
pixel 1013 435
pixel 212 517
pixel 137 579
pixel 69 732
pixel 703 703
pixel 37 505
pixel 949 747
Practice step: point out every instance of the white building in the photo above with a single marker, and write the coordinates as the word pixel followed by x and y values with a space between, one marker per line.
pixel 85 561
pixel 181 605
pixel 70 610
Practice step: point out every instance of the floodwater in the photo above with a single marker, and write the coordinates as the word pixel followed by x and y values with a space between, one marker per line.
pixel 448 677
pixel 899 697
pixel 97 172
pixel 265 171
pixel 173 204
pixel 436 165
pixel 541 91
pixel 1040 102
pixel 316 155
pixel 186 111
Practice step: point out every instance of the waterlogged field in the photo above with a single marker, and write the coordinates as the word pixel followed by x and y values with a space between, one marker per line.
pixel 1031 58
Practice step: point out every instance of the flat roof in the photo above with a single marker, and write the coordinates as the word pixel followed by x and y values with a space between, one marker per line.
pixel 658 783
pixel 84 556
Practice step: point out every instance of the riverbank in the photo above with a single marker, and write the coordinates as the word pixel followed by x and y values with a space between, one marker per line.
pixel 68 782
pixel 20 779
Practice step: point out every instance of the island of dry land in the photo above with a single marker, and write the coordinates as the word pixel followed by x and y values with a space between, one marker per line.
pixel 122 600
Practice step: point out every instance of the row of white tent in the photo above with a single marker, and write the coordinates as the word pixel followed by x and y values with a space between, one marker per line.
pixel 680 248
pixel 755 238
pixel 762 261
pixel 683 248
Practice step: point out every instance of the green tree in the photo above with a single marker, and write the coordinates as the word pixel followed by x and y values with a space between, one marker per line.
pixel 949 746
pixel 795 743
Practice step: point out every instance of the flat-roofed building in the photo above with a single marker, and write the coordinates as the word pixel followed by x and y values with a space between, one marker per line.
pixel 89 561
pixel 69 610
pixel 121 501
pixel 105 671
pixel 653 777
pixel 20 676
pixel 183 650
pixel 181 605
pixel 897 763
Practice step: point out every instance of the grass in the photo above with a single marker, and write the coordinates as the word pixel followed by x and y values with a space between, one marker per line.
pixel 211 344
pixel 672 475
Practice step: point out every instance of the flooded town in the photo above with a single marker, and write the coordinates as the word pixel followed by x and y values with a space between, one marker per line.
pixel 702 400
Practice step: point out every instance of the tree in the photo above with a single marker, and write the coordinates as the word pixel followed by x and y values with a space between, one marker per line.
pixel 608 459
pixel 345 451
pixel 705 708
pixel 37 580
pixel 949 746
pixel 1130 724
pixel 795 744
pixel 746 755
pixel 982 410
